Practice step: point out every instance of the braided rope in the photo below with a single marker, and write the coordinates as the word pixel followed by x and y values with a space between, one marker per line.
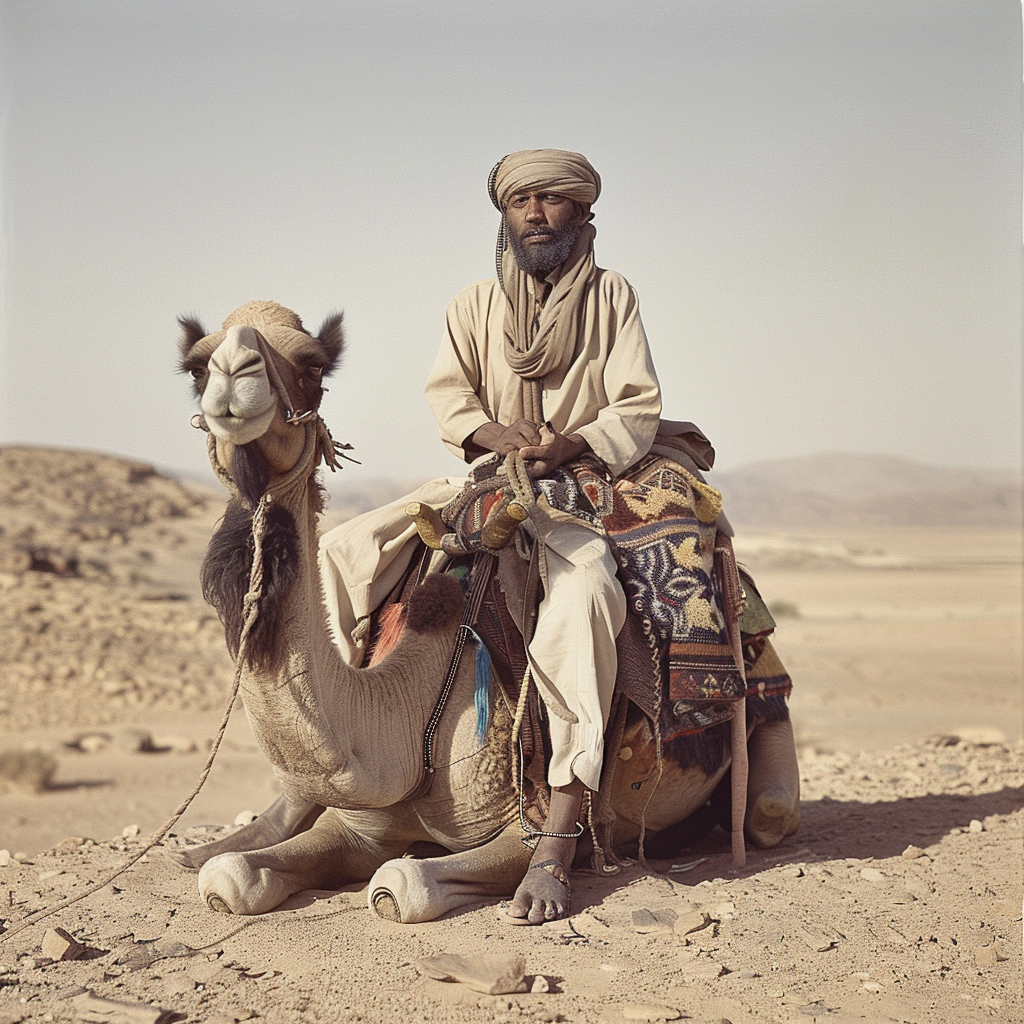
pixel 251 606
pixel 284 486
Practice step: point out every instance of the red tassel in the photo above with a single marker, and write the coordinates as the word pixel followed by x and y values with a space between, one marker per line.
pixel 392 625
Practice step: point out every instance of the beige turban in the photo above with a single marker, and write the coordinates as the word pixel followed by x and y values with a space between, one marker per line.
pixel 538 348
pixel 553 170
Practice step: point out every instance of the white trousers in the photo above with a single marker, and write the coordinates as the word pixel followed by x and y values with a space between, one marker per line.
pixel 572 653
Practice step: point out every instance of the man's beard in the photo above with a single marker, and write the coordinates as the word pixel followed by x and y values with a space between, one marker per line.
pixel 542 257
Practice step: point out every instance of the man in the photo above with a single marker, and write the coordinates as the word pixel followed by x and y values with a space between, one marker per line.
pixel 550 359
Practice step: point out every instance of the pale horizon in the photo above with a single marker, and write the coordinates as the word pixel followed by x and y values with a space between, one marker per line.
pixel 819 205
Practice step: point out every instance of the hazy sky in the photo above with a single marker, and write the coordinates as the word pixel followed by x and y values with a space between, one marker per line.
pixel 818 202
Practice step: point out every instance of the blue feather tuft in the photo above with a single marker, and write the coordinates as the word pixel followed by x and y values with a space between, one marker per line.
pixel 482 691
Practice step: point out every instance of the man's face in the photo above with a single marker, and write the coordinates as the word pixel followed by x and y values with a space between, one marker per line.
pixel 543 227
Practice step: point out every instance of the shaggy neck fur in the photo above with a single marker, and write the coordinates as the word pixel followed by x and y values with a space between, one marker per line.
pixel 324 725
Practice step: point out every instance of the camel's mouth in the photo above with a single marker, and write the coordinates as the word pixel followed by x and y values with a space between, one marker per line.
pixel 241 429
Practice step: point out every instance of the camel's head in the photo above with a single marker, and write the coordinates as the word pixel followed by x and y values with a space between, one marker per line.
pixel 257 379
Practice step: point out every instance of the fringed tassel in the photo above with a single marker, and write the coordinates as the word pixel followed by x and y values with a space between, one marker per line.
pixel 482 691
pixel 332 450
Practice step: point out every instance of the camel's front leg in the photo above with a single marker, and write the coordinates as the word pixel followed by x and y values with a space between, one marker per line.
pixel 773 787
pixel 329 855
pixel 284 818
pixel 411 891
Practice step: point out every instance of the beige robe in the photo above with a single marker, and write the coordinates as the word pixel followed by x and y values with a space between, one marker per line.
pixel 609 395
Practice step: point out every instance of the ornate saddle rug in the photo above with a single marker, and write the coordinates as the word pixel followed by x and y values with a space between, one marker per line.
pixel 676 660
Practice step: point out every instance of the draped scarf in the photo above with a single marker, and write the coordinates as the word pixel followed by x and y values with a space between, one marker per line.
pixel 538 347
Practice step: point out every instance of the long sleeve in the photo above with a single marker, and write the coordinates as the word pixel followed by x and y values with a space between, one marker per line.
pixel 627 419
pixel 609 395
pixel 456 382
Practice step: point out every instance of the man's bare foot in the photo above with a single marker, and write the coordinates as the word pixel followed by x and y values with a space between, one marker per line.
pixel 544 893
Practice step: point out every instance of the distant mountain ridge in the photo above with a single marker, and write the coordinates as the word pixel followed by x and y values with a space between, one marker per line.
pixel 831 488
pixel 844 489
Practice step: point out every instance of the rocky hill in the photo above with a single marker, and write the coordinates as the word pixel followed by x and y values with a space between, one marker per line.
pixel 100 608
pixel 842 489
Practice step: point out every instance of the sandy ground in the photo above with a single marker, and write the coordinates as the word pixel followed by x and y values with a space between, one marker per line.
pixel 905 647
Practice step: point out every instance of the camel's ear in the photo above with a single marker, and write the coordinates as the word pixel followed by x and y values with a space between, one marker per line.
pixel 191 332
pixel 332 337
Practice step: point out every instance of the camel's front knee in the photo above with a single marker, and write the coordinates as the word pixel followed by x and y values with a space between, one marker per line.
pixel 773 789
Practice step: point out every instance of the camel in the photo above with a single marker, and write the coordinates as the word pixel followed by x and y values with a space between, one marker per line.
pixel 345 743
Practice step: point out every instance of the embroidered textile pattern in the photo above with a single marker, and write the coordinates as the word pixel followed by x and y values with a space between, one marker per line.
pixel 666 552
pixel 660 521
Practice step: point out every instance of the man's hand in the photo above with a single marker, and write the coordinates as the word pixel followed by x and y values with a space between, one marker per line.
pixel 554 450
pixel 494 437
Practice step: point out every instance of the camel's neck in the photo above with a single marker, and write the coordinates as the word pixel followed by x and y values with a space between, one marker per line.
pixel 335 734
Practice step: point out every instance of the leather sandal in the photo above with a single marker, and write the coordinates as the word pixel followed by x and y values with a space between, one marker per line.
pixel 557 871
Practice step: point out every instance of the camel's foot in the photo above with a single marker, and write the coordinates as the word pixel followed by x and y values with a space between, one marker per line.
pixel 405 891
pixel 773 789
pixel 229 884
pixel 774 814
pixel 411 891
pixel 283 819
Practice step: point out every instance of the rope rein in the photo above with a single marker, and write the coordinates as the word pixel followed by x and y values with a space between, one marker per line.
pixel 316 433
pixel 251 605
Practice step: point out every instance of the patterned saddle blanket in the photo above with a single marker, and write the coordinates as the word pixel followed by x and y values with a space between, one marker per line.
pixel 677 656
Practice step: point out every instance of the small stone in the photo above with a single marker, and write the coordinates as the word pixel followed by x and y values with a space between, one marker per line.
pixel 540 984
pixel 659 922
pixel 130 831
pixel 132 956
pixel 59 945
pixel 988 956
pixel 134 741
pixel 723 911
pixel 691 921
pixel 489 974
pixel 649 1011
pixel 982 736
pixel 21 857
pixel 872 875
pixel 816 939
pixel 793 871
pixel 245 817
pixel 69 844
pixel 872 986
pixel 92 743
pixel 5 858
pixel 45 876
pixel 912 852
pixel 175 744
pixel 976 826
pixel 88 1007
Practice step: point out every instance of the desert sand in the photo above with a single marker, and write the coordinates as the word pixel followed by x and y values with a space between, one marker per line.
pixel 898 900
